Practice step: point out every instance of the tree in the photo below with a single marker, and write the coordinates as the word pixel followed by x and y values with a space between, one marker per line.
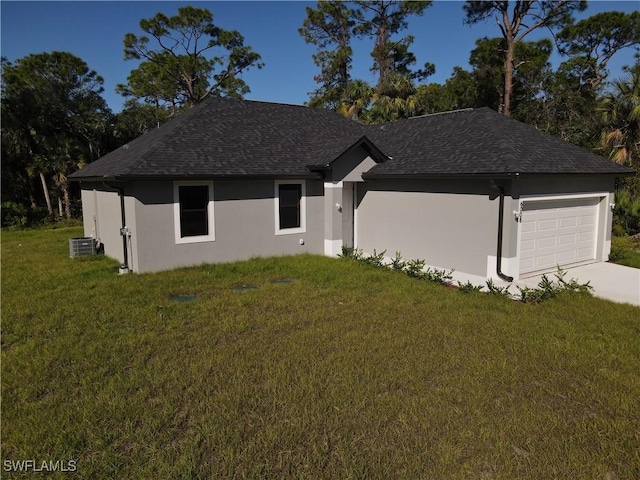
pixel 397 100
pixel 193 58
pixel 153 84
pixel 53 119
pixel 593 41
pixel 620 113
pixel 516 23
pixel 461 89
pixel 356 100
pixel 330 27
pixel 136 119
pixel 382 20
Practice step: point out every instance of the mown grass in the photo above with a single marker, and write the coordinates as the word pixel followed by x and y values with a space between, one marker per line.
pixel 625 251
pixel 347 372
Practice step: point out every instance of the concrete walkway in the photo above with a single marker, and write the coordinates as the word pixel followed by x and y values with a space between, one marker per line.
pixel 610 281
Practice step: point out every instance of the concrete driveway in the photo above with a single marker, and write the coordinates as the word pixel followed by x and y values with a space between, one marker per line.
pixel 610 281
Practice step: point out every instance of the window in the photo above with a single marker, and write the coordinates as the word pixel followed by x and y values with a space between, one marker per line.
pixel 193 211
pixel 290 207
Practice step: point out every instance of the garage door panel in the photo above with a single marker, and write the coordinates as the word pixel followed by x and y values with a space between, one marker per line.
pixel 583 253
pixel 587 221
pixel 565 257
pixel 544 261
pixel 546 242
pixel 547 225
pixel 557 232
pixel 527 246
pixel 568 223
pixel 527 263
pixel 528 228
pixel 568 239
pixel 584 237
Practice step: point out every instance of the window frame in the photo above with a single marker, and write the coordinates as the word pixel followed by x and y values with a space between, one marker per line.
pixel 210 237
pixel 303 207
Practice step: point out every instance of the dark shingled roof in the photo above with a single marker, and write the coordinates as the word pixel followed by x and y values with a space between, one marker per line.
pixel 479 141
pixel 228 137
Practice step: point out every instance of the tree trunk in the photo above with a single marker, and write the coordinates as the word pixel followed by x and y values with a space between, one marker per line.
pixel 345 37
pixel 381 56
pixel 67 198
pixel 47 197
pixel 508 78
pixel 28 182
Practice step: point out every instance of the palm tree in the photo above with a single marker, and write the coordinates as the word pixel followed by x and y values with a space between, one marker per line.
pixel 395 99
pixel 620 116
pixel 356 99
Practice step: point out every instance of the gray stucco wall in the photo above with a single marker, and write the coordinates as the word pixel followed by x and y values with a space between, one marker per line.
pixel 333 219
pixel 450 224
pixel 244 215
pixel 101 217
pixel 351 166
pixel 453 224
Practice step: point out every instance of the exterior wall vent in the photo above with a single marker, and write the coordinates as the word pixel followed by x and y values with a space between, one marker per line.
pixel 81 246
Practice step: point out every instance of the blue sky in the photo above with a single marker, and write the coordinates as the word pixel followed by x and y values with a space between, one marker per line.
pixel 94 31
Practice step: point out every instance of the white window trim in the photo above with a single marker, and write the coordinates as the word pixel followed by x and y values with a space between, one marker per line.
pixel 176 212
pixel 303 207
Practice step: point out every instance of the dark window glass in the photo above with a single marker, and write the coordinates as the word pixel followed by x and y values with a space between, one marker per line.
pixel 289 199
pixel 194 217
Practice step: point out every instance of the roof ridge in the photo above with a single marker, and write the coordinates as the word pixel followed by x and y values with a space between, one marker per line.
pixel 459 110
pixel 272 103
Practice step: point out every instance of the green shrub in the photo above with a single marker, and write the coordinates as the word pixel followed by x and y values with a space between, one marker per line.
pixel 352 253
pixel 469 287
pixel 626 214
pixel 14 215
pixel 548 289
pixel 397 263
pixel 498 291
pixel 443 277
pixel 415 268
pixel 375 259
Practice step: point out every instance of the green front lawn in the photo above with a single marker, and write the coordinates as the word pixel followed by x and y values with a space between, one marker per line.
pixel 348 371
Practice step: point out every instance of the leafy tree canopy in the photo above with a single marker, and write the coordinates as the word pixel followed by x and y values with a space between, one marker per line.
pixel 190 59
pixel 620 114
pixel 330 27
pixel 53 119
pixel 382 20
pixel 516 20
pixel 593 41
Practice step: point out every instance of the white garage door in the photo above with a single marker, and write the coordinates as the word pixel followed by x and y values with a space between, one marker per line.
pixel 557 232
